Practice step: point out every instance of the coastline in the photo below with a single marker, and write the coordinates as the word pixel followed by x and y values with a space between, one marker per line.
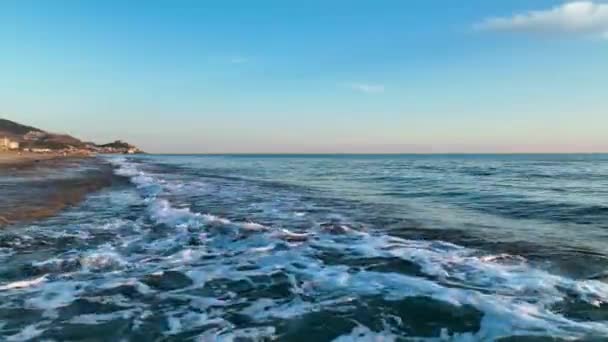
pixel 24 159
pixel 38 186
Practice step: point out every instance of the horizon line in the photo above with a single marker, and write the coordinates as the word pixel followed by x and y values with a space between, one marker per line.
pixel 368 153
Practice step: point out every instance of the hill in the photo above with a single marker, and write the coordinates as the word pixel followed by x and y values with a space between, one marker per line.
pixel 14 130
pixel 32 137
pixel 117 144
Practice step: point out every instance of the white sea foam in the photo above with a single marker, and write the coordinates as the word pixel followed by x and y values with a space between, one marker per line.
pixel 55 295
pixel 363 334
pixel 102 260
pixel 511 276
pixel 506 310
pixel 93 319
pixel 26 334
pixel 6 252
pixel 162 211
pixel 252 226
pixel 265 309
pixel 23 283
pixel 286 234
pixel 191 320
pixel 215 219
pixel 138 285
pixel 246 334
pixel 514 296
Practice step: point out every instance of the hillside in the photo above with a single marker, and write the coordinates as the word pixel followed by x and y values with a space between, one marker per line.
pixel 13 130
pixel 117 144
pixel 32 137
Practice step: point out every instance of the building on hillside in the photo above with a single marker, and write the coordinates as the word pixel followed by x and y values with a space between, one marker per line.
pixel 35 136
pixel 8 144
pixel 13 145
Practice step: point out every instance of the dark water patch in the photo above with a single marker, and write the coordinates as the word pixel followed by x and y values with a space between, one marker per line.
pixel 17 317
pixel 167 280
pixel 316 326
pixel 411 317
pixel 478 172
pixel 376 264
pixel 83 306
pixel 582 311
pixel 129 291
pixel 392 265
pixel 275 286
pixel 114 330
pixel 426 317
pixel 52 267
pixel 522 208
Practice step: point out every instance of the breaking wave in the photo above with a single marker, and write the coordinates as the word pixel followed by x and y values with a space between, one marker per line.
pixel 161 266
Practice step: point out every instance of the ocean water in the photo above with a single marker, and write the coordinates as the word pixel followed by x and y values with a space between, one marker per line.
pixel 318 248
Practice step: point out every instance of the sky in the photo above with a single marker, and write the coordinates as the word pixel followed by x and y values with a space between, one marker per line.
pixel 314 76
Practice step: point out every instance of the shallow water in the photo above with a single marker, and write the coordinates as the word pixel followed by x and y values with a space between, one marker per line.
pixel 301 248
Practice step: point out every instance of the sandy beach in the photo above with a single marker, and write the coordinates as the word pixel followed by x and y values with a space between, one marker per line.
pixel 13 159
pixel 36 186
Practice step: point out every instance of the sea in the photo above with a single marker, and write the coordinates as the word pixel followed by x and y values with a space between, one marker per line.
pixel 312 248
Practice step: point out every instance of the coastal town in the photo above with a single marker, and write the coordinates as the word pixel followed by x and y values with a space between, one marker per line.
pixel 17 138
pixel 117 147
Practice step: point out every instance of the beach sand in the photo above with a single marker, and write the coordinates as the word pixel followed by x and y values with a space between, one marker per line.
pixel 36 186
pixel 14 159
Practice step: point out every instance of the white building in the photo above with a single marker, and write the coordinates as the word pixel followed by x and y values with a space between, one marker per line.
pixel 8 144
pixel 13 145
pixel 35 136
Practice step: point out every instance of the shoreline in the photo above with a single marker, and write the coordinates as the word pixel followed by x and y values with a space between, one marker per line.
pixel 38 186
pixel 25 159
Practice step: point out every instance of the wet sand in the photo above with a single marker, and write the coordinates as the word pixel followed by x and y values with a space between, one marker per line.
pixel 23 159
pixel 39 186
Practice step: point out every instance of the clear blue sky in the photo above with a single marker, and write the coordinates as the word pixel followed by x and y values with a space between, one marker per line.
pixel 311 76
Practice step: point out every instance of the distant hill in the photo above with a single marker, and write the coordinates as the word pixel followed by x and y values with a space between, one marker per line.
pixel 23 134
pixel 12 129
pixel 32 137
pixel 117 144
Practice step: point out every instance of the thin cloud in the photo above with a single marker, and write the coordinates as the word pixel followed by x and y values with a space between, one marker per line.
pixel 366 87
pixel 582 18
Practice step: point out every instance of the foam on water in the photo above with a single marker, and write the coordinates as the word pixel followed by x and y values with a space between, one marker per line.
pixel 515 297
pixel 22 283
pixel 364 334
pixel 196 274
pixel 27 334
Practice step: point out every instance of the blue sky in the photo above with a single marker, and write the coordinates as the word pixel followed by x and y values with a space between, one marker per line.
pixel 311 76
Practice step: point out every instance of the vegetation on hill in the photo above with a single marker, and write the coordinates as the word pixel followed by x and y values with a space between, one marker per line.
pixel 42 139
pixel 117 144
pixel 11 128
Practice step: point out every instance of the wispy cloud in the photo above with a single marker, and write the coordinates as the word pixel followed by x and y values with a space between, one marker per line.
pixel 366 87
pixel 239 60
pixel 583 18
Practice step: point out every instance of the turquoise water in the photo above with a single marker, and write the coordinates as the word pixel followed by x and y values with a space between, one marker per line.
pixel 317 247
